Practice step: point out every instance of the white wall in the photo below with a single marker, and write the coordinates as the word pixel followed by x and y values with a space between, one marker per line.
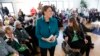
pixel 26 5
pixel 93 4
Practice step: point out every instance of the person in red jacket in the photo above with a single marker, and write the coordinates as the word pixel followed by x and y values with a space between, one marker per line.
pixel 33 11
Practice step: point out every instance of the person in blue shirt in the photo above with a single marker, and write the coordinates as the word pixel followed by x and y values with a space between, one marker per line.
pixel 47 31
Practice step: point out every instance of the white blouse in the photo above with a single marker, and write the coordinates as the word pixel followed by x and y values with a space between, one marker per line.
pixel 14 38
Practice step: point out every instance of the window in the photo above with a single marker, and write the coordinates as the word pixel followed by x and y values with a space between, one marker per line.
pixel 1 17
pixel 53 2
pixel 45 3
pixel 9 6
pixel 60 5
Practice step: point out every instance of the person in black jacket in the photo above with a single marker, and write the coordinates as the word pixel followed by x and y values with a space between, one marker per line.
pixel 89 45
pixel 74 36
pixel 6 11
pixel 21 16
pixel 31 31
pixel 83 29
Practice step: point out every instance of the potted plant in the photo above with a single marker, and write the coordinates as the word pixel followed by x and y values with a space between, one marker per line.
pixel 83 4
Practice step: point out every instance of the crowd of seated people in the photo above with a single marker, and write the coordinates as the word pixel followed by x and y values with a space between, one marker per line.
pixel 19 34
pixel 19 37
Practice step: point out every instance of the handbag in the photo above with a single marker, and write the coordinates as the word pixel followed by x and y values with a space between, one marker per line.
pixel 67 49
pixel 22 48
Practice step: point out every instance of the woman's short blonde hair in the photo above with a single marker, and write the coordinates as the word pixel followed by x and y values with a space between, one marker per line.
pixel 8 28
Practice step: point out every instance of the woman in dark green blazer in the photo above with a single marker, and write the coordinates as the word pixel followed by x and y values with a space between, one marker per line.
pixel 47 31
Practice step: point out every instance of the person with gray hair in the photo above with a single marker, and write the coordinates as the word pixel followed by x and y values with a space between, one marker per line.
pixel 16 23
pixel 20 31
pixel 22 35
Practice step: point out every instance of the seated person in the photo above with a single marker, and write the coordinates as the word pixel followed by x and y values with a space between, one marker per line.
pixel 5 49
pixel 11 40
pixel 74 36
pixel 31 31
pixel 23 36
pixel 89 44
pixel 84 25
